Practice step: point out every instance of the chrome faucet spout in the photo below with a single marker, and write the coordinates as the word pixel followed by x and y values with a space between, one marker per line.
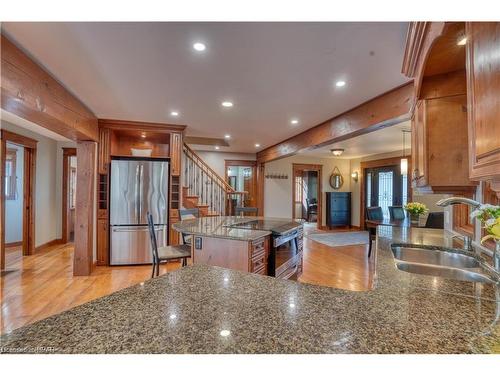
pixel 458 200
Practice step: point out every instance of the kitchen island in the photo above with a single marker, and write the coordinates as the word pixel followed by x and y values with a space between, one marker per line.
pixel 267 246
pixel 207 309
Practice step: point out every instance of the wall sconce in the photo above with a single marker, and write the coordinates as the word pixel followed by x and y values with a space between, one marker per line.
pixel 354 176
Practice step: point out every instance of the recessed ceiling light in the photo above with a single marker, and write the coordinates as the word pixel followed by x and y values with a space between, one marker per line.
pixel 198 46
pixel 217 147
pixel 227 104
pixel 462 41
pixel 294 121
pixel 173 316
pixel 340 83
pixel 225 333
pixel 257 145
pixel 227 136
pixel 174 113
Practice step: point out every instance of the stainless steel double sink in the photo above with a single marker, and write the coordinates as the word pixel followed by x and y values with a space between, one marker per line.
pixel 441 263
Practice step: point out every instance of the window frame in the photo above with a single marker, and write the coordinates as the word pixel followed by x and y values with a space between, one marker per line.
pixel 11 180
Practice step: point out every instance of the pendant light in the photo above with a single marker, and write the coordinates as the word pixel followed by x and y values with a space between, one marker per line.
pixel 404 160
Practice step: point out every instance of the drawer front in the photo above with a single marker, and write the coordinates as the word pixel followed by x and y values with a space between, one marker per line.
pixel 257 263
pixel 258 248
pixel 339 217
pixel 339 204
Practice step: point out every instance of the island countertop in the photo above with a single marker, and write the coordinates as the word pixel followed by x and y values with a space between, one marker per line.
pixel 206 309
pixel 233 227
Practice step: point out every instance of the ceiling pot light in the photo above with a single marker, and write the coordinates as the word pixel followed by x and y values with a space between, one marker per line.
pixel 227 136
pixel 337 151
pixel 340 83
pixel 200 47
pixel 257 145
pixel 227 104
pixel 294 121
pixel 174 113
pixel 462 41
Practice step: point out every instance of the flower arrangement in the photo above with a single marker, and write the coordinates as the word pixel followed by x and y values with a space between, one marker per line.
pixel 415 208
pixel 489 215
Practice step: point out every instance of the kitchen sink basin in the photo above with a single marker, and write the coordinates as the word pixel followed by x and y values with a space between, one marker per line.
pixel 435 257
pixel 440 263
pixel 446 272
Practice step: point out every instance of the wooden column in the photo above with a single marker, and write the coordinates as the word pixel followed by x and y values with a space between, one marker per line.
pixel 260 188
pixel 86 152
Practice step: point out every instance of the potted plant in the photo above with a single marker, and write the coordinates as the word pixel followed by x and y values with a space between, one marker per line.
pixel 489 216
pixel 415 209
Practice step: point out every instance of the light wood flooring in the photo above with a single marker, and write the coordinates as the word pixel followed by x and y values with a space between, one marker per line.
pixel 41 285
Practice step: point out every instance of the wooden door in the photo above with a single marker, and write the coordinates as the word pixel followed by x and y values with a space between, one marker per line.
pixel 483 91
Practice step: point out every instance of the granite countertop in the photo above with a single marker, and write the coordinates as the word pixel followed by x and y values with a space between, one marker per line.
pixel 229 227
pixel 206 309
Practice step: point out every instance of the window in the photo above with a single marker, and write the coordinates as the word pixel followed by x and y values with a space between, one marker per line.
pixel 72 188
pixel 298 189
pixel 10 174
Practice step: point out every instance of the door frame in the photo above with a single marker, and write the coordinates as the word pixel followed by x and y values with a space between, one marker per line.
pixel 29 178
pixel 243 163
pixel 377 164
pixel 67 153
pixel 309 168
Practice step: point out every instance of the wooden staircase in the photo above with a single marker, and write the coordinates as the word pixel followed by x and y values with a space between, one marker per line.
pixel 193 201
pixel 204 189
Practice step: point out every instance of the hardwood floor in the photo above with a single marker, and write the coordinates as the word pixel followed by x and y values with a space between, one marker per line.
pixel 37 286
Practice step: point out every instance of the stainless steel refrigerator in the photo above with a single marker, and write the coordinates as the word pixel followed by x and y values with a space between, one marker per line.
pixel 138 186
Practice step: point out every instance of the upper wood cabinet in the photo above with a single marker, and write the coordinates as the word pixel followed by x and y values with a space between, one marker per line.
pixel 439 144
pixel 483 91
pixel 175 153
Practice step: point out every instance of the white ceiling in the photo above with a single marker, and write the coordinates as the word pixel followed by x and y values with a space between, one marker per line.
pixel 271 71
pixel 378 142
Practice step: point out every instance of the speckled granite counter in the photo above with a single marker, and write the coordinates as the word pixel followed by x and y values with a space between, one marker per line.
pixel 232 227
pixel 203 309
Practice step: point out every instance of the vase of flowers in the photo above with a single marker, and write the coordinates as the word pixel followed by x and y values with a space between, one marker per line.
pixel 489 216
pixel 415 209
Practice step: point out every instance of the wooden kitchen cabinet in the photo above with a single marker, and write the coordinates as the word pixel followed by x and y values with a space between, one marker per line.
pixel 439 145
pixel 483 89
pixel 175 153
pixel 102 242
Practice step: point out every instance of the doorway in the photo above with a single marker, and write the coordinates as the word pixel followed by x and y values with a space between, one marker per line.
pixel 68 195
pixel 383 185
pixel 17 166
pixel 306 193
pixel 241 175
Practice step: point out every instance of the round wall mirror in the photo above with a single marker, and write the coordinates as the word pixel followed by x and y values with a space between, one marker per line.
pixel 336 179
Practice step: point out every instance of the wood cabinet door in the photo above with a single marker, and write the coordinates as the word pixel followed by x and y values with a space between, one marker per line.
pixel 104 151
pixel 102 242
pixel 175 153
pixel 483 87
pixel 447 156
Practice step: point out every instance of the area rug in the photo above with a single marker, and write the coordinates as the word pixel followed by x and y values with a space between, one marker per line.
pixel 340 239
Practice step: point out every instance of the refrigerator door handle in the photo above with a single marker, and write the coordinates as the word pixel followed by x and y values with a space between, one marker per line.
pixel 136 195
pixel 141 176
pixel 118 230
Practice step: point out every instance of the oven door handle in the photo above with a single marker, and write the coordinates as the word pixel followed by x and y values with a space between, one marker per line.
pixel 286 238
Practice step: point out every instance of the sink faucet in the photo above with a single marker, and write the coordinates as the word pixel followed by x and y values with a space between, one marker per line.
pixel 467 240
pixel 461 200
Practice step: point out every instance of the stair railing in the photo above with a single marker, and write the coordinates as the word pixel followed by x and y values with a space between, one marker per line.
pixel 211 188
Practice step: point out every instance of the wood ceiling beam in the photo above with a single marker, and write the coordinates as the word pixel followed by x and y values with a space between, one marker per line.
pixel 385 110
pixel 31 93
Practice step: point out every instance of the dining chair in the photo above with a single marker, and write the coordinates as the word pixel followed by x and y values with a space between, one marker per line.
pixel 373 213
pixel 435 220
pixel 165 253
pixel 312 208
pixel 397 212
pixel 240 211
pixel 187 214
